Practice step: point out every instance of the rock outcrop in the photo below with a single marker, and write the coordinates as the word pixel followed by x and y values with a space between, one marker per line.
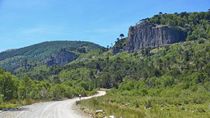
pixel 145 35
pixel 61 58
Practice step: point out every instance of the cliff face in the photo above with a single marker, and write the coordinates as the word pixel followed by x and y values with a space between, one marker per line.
pixel 146 35
pixel 61 58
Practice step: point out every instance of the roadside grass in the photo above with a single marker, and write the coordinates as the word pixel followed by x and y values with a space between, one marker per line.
pixel 5 106
pixel 15 104
pixel 130 106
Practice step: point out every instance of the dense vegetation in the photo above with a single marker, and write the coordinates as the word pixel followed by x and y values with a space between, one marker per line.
pixel 21 91
pixel 169 82
pixel 197 24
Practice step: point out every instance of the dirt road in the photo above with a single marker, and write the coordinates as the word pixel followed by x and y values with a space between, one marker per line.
pixel 57 109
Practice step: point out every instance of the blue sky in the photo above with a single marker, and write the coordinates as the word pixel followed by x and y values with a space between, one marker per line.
pixel 26 22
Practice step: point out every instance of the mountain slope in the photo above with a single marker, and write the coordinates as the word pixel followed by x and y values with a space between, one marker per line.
pixel 50 53
pixel 166 82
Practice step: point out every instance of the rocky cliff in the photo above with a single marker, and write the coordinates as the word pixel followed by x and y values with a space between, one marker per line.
pixel 61 58
pixel 146 35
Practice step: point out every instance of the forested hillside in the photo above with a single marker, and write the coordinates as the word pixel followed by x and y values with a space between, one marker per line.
pixel 47 53
pixel 165 81
pixel 170 81
pixel 196 23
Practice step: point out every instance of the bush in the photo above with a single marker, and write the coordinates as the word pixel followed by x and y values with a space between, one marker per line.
pixel 27 102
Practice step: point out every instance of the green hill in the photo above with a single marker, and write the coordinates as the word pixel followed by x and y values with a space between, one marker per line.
pixel 49 53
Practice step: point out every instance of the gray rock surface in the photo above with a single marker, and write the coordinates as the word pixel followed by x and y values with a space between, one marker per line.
pixel 61 58
pixel 146 35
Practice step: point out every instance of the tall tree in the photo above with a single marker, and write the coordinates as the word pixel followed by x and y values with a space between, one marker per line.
pixel 7 88
pixel 122 36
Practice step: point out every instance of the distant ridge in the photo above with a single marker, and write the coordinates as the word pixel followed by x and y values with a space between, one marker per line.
pixel 41 53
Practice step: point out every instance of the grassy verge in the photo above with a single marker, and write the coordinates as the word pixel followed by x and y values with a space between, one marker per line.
pixel 148 106
pixel 14 104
